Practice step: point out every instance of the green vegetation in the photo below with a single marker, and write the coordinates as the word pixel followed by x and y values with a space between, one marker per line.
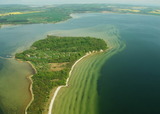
pixel 53 58
pixel 22 14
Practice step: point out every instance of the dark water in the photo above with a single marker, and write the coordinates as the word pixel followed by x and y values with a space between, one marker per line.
pixel 130 80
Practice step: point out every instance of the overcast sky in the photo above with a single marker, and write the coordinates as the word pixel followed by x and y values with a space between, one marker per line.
pixel 141 2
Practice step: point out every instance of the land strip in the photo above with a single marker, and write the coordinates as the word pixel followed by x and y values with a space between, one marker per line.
pixel 55 49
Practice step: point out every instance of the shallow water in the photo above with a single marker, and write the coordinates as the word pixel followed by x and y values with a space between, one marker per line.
pixel 14 87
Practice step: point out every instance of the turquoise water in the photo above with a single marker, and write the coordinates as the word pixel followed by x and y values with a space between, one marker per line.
pixel 129 81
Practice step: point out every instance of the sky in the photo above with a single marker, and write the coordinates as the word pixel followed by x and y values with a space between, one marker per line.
pixel 140 2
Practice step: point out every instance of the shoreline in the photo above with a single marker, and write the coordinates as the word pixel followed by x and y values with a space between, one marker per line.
pixel 30 86
pixel 30 83
pixel 59 87
pixel 31 92
pixel 58 22
pixel 8 25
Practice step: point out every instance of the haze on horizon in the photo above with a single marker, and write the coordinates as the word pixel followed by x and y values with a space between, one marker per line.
pixel 50 2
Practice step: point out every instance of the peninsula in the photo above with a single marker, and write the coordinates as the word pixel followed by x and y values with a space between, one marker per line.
pixel 53 58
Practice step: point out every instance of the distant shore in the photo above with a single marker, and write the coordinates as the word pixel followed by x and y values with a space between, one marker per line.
pixel 10 25
pixel 7 25
pixel 73 15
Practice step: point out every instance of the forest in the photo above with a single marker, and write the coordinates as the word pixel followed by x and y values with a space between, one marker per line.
pixel 53 58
